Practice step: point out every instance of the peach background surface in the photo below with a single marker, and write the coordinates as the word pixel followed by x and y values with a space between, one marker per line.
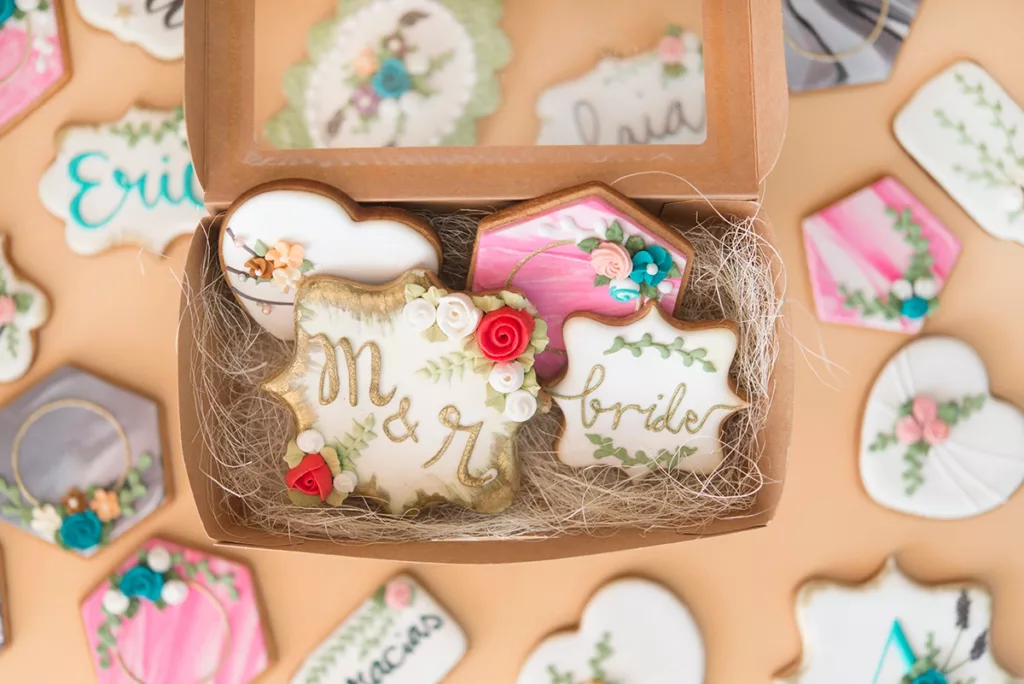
pixel 116 314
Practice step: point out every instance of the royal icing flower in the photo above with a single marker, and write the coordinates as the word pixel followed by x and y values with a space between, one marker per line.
pixel 312 476
pixel 75 501
pixel 611 261
pixel 46 521
pixel 258 267
pixel 395 43
pixel 624 290
pixel 915 299
pixel 507 377
pixel 346 482
pixel 81 531
pixel 520 406
pixel 366 100
pixel 651 265
pixel 286 278
pixel 7 8
pixel 174 593
pixel 159 559
pixel 310 441
pixel 504 334
pixel 923 424
pixel 671 49
pixel 142 582
pixel 392 80
pixel 115 602
pixel 366 63
pixel 8 309
pixel 28 5
pixel 286 255
pixel 105 505
pixel 457 316
pixel 420 314
pixel 397 595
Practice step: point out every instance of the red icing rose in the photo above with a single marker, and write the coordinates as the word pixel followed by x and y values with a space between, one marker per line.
pixel 311 476
pixel 503 335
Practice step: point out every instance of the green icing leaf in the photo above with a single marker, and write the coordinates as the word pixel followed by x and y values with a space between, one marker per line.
pixel 601 281
pixel 495 399
pixel 589 245
pixel 514 300
pixel 614 233
pixel 144 461
pixel 413 291
pixel 488 303
pixel 674 272
pixel 434 334
pixel 649 291
pixel 306 266
pixel 260 248
pixel 23 301
pixel 635 244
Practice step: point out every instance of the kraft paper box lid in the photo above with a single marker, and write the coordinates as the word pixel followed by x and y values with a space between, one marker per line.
pixel 747 105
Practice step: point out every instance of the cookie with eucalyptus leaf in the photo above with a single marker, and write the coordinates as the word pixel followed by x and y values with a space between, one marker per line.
pixel 23 310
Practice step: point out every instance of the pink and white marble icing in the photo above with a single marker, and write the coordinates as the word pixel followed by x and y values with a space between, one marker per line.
pixel 183 643
pixel 560 281
pixel 853 243
pixel 26 78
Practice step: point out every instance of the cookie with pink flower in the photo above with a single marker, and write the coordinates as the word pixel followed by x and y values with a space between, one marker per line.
pixel 935 442
pixel 23 309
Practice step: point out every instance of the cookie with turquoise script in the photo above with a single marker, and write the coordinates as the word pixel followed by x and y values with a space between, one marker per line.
pixel 34 58
pixel 157 25
pixel 632 630
pixel 968 133
pixel 879 259
pixel 655 97
pixel 80 461
pixel 130 182
pixel 23 310
pixel 387 73
pixel 278 235
pixel 173 614
pixel 646 393
pixel 589 249
pixel 934 441
pixel 400 635
pixel 408 394
pixel 893 629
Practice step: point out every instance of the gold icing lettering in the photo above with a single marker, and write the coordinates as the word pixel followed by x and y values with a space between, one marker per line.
pixel 450 417
pixel 350 362
pixel 403 416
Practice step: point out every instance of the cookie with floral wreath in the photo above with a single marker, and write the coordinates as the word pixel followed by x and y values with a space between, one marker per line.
pixel 23 310
pixel 408 394
pixel 395 73
pixel 206 606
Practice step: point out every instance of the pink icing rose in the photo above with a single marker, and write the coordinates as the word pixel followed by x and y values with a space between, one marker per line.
pixel 908 431
pixel 398 595
pixel 936 432
pixel 923 423
pixel 924 409
pixel 366 63
pixel 671 50
pixel 612 261
pixel 7 309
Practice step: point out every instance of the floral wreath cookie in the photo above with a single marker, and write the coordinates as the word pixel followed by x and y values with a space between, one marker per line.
pixel 23 310
pixel 934 442
pixel 385 73
pixel 204 605
pixel 278 235
pixel 451 381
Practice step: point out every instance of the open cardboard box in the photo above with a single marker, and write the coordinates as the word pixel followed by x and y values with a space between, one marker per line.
pixel 747 103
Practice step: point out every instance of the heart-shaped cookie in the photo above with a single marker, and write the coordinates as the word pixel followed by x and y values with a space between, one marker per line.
pixel 934 442
pixel 633 630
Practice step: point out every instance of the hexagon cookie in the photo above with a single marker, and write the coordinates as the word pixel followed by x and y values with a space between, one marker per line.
pixel 830 44
pixel 81 461
pixel 879 259
pixel 34 57
pixel 586 249
pixel 174 614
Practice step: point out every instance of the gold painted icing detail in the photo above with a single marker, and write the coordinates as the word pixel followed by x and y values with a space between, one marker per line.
pixel 350 361
pixel 329 374
pixel 402 415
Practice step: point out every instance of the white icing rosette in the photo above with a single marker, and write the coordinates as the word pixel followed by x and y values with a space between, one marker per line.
pixel 174 592
pixel 457 316
pixel 420 314
pixel 158 559
pixel 507 377
pixel 926 288
pixel 115 602
pixel 345 482
pixel 520 406
pixel 310 442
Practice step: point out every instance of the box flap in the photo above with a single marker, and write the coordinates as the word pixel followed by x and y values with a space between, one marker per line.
pixel 746 109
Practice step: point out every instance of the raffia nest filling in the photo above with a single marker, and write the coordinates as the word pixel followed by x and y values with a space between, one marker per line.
pixel 247 430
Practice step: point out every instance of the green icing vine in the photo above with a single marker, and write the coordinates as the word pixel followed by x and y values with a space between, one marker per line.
pixel 352 444
pixel 930 661
pixel 447 367
pixel 22 303
pixel 353 635
pixel 602 652
pixel 690 357
pixel 135 134
pixel 668 459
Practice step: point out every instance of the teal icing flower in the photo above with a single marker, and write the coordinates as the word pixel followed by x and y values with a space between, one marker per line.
pixel 651 265
pixel 392 79
pixel 624 290
pixel 915 308
pixel 142 582
pixel 931 677
pixel 7 8
pixel 81 531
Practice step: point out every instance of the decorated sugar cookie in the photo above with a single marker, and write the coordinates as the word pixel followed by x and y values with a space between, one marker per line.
pixel 656 97
pixel 406 73
pixel 399 635
pixel 126 183
pixel 584 249
pixel 279 235
pixel 632 630
pixel 408 394
pixel 156 25
pixel 934 442
pixel 879 259
pixel 174 614
pixel 5 630
pixel 23 309
pixel 80 461
pixel 646 392
pixel 968 133
pixel 893 629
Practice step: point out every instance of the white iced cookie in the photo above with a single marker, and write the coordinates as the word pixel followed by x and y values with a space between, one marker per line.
pixel 280 235
pixel 632 630
pixel 23 309
pixel 892 629
pixel 130 182
pixel 967 132
pixel 157 25
pixel 400 635
pixel 647 392
pixel 934 442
